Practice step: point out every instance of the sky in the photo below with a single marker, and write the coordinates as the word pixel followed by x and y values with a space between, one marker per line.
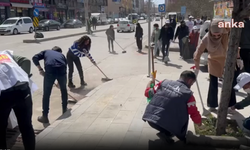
pixel 159 1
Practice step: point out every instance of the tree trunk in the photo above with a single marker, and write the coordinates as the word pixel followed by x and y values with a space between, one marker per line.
pixel 234 40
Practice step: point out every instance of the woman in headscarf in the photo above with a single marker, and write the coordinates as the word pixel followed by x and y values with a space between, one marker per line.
pixel 216 43
pixel 138 36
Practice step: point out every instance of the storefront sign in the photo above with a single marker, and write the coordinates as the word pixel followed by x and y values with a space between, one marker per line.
pixel 4 4
pixel 40 5
pixel 62 6
pixel 20 1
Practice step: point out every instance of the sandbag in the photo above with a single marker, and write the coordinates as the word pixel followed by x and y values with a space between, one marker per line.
pixel 39 35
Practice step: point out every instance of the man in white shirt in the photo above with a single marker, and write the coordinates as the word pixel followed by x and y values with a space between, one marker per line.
pixel 190 24
pixel 15 94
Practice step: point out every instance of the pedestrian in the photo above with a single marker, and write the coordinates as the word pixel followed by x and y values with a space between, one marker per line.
pixel 80 48
pixel 166 35
pixel 198 23
pixel 94 23
pixel 173 22
pixel 216 43
pixel 55 68
pixel 182 31
pixel 190 23
pixel 89 27
pixel 110 32
pixel 245 45
pixel 138 36
pixel 171 104
pixel 193 40
pixel 243 81
pixel 15 94
pixel 155 39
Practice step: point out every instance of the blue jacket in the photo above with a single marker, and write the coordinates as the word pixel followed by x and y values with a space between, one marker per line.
pixel 75 49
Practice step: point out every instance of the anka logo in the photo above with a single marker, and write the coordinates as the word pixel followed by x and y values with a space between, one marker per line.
pixel 230 24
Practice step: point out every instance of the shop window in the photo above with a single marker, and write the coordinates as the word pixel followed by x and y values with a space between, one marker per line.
pixel 27 20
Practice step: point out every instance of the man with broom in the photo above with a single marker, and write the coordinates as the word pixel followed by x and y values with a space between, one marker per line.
pixel 171 104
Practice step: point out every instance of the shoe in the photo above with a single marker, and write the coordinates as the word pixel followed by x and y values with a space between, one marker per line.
pixel 43 119
pixel 71 84
pixel 65 110
pixel 83 83
pixel 166 138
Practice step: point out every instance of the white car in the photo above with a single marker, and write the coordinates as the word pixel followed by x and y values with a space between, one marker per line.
pixel 17 25
pixel 125 26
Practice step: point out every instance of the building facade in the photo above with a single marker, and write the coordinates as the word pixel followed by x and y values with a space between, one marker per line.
pixel 4 10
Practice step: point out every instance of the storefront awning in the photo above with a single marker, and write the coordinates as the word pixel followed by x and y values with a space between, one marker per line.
pixel 21 5
pixel 42 9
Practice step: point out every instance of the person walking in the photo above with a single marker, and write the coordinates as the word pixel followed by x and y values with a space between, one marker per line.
pixel 155 38
pixel 166 35
pixel 55 68
pixel 89 27
pixel 171 104
pixel 190 23
pixel 173 22
pixel 193 40
pixel 110 37
pixel 80 48
pixel 245 45
pixel 181 32
pixel 138 36
pixel 94 23
pixel 15 94
pixel 216 43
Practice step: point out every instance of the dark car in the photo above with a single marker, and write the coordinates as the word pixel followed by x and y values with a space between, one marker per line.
pixel 73 23
pixel 47 25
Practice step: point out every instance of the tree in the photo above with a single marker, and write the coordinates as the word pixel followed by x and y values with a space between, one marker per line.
pixel 196 8
pixel 241 10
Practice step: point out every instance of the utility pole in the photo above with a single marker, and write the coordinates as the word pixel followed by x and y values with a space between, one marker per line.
pixel 149 38
pixel 86 5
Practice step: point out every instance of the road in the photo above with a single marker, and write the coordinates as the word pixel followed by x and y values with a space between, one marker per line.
pixel 99 51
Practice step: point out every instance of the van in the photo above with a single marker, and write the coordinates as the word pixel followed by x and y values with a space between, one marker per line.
pixel 16 25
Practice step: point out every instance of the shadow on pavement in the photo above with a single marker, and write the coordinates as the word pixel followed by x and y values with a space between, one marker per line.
pixel 189 61
pixel 67 114
pixel 174 65
pixel 143 53
pixel 174 49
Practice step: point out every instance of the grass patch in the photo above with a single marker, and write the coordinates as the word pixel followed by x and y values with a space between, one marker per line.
pixel 209 128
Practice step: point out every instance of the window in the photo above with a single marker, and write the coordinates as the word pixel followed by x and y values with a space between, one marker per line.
pixel 20 21
pixel 27 20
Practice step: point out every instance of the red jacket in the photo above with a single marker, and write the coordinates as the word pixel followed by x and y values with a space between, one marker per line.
pixel 194 38
pixel 192 109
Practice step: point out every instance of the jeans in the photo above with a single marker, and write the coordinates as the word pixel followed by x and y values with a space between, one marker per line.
pixel 156 48
pixel 71 59
pixel 110 41
pixel 139 42
pixel 245 56
pixel 20 101
pixel 212 98
pixel 48 82
pixel 164 48
pixel 181 47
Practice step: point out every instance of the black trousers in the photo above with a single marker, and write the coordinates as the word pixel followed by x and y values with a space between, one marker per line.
pixel 19 99
pixel 139 42
pixel 94 26
pixel 165 47
pixel 212 98
pixel 72 59
pixel 245 56
pixel 111 41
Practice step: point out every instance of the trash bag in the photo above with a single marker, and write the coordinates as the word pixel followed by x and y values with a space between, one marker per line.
pixel 185 50
pixel 39 35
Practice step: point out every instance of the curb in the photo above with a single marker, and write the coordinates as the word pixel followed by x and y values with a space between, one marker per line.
pixel 62 36
pixel 170 49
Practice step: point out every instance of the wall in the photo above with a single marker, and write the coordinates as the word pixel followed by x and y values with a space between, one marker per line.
pixel 113 9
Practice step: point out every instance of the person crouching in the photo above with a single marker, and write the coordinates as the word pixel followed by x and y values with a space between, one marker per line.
pixel 170 107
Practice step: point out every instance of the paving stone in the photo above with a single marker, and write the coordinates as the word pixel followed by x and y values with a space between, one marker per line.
pixel 66 141
pixel 130 140
pixel 96 108
pixel 136 125
pixel 132 104
pixel 87 141
pixel 110 111
pixel 58 130
pixel 99 126
pixel 124 116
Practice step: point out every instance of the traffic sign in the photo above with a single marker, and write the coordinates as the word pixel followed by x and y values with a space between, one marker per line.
pixel 35 22
pixel 36 13
pixel 161 7
pixel 183 10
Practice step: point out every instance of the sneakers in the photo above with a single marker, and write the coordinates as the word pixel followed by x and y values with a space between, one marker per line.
pixel 71 84
pixel 83 83
pixel 43 119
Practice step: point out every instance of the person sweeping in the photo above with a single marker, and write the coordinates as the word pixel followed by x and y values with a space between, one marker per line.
pixel 80 48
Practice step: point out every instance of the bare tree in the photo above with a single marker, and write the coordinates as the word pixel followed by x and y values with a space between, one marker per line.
pixel 241 10
pixel 196 8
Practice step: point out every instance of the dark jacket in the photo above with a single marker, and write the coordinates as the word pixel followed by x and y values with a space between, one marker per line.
pixel 110 34
pixel 245 36
pixel 181 32
pixel 244 103
pixel 138 32
pixel 173 23
pixel 94 20
pixel 166 34
pixel 23 62
pixel 168 107
pixel 54 62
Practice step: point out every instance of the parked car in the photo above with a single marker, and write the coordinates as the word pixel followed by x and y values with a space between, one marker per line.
pixel 73 23
pixel 110 21
pixel 116 20
pixel 17 25
pixel 48 24
pixel 125 26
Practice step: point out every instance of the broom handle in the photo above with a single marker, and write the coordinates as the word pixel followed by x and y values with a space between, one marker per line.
pixel 117 43
pixel 67 93
pixel 101 71
pixel 200 94
pixel 152 57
